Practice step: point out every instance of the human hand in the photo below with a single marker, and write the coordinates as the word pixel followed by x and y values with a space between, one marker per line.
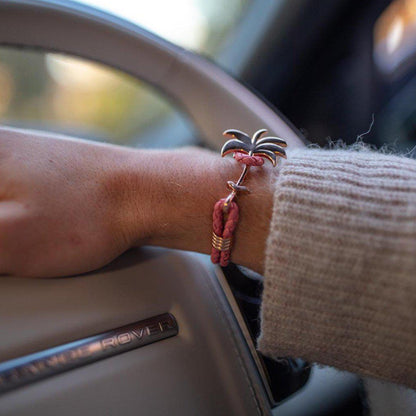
pixel 58 213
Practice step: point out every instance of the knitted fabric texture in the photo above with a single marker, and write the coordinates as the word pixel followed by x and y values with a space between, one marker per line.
pixel 340 271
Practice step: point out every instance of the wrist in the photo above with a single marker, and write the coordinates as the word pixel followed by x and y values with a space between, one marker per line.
pixel 168 199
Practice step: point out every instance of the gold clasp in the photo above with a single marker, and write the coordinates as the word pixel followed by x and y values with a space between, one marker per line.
pixel 219 243
pixel 235 188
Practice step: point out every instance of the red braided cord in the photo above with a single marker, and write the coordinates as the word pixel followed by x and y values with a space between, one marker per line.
pixel 230 226
pixel 223 229
pixel 248 160
pixel 217 225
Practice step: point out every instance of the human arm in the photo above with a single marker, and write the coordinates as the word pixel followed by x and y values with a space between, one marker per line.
pixel 69 206
pixel 340 274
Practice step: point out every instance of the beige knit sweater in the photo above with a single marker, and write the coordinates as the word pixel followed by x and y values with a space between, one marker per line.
pixel 340 279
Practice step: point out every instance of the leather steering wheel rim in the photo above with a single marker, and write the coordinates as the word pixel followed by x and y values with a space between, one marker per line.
pixel 213 99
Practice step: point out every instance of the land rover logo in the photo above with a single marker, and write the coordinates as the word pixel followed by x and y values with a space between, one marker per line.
pixel 33 367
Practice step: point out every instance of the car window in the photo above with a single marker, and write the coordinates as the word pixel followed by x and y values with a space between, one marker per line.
pixel 199 25
pixel 75 96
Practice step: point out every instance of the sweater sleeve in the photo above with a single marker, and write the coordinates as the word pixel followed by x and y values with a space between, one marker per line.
pixel 340 272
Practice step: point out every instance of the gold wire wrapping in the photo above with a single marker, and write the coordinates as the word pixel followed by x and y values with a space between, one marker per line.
pixel 219 243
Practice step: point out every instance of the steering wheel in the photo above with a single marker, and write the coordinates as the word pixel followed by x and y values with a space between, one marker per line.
pixel 201 359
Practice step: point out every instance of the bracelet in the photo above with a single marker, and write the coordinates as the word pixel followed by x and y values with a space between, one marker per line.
pixel 249 152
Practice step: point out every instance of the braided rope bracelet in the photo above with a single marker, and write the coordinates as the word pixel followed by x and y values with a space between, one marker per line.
pixel 249 152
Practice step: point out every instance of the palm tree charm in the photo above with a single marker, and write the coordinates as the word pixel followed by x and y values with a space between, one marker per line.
pixel 255 148
pixel 268 147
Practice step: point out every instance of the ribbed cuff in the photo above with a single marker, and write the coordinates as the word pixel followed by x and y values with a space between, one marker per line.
pixel 340 274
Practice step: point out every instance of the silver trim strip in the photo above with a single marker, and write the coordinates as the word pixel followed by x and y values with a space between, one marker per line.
pixel 33 367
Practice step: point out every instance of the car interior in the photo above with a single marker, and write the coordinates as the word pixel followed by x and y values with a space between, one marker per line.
pixel 162 331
